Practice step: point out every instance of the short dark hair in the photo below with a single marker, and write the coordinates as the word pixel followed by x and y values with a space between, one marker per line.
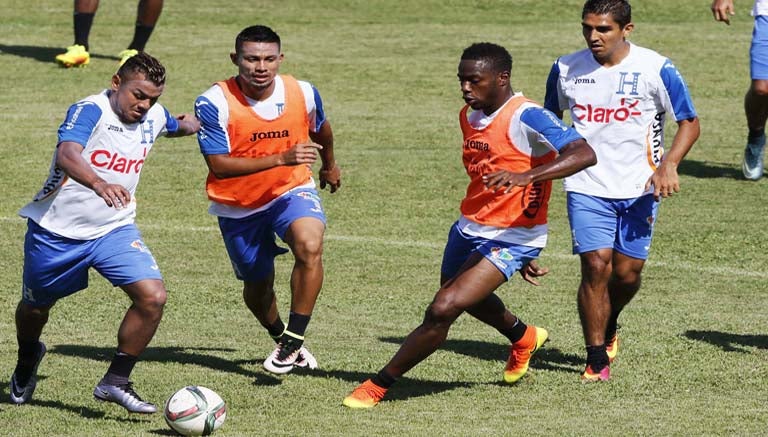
pixel 256 33
pixel 496 56
pixel 143 63
pixel 620 10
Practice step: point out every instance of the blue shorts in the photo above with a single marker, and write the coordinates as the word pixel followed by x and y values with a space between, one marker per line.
pixel 56 266
pixel 624 225
pixel 250 241
pixel 507 257
pixel 758 51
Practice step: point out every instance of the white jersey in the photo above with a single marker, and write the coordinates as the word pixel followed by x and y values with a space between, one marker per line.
pixel 115 151
pixel 212 109
pixel 621 111
pixel 760 8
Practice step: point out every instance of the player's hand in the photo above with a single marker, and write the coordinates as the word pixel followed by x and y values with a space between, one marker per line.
pixel 506 180
pixel 189 124
pixel 330 176
pixel 304 153
pixel 722 10
pixel 664 180
pixel 114 195
pixel 531 271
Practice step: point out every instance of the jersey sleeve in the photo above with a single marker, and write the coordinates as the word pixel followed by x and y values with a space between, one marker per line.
pixel 212 138
pixel 314 105
pixel 171 124
pixel 552 98
pixel 80 122
pixel 319 111
pixel 547 128
pixel 677 90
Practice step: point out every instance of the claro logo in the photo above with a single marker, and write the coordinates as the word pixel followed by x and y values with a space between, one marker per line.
pixel 596 114
pixel 115 162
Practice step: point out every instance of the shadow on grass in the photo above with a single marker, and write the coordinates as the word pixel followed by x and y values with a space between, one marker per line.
pixel 182 355
pixel 729 342
pixel 85 412
pixel 547 358
pixel 43 54
pixel 163 431
pixel 404 389
pixel 710 170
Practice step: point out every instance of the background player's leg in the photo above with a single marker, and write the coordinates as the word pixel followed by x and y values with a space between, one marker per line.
pixel 147 14
pixel 595 307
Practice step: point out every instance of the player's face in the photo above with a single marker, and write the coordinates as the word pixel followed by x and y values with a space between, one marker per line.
pixel 132 96
pixel 605 38
pixel 258 64
pixel 481 87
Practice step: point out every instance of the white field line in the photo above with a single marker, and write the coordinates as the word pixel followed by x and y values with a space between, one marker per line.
pixel 678 265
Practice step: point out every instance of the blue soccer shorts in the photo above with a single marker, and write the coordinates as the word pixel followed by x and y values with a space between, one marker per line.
pixel 250 241
pixel 758 51
pixel 56 266
pixel 624 225
pixel 507 257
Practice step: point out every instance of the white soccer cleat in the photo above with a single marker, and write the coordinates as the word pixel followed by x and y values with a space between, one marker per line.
pixel 305 359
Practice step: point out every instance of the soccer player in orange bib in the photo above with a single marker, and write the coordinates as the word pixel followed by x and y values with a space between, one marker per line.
pixel 512 150
pixel 261 131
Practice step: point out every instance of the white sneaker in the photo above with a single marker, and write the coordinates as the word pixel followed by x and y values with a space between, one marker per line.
pixel 283 358
pixel 305 359
pixel 753 159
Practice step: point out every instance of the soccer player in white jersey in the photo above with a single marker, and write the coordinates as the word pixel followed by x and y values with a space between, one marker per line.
pixel 756 99
pixel 83 217
pixel 260 133
pixel 619 96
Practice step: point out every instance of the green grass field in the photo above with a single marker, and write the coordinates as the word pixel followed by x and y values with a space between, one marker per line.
pixel 694 357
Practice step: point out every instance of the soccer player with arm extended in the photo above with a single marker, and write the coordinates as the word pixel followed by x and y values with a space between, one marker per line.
pixel 261 131
pixel 512 150
pixel 619 96
pixel 83 217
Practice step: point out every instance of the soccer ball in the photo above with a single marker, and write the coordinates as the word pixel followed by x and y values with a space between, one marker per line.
pixel 195 410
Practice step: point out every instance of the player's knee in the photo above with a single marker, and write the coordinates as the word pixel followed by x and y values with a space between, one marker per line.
pixel 595 267
pixel 27 312
pixel 626 278
pixel 760 88
pixel 153 299
pixel 308 250
pixel 441 312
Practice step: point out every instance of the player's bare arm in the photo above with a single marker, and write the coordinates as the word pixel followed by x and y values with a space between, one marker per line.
pixel 188 125
pixel 665 179
pixel 70 159
pixel 330 173
pixel 576 155
pixel 225 166
pixel 722 10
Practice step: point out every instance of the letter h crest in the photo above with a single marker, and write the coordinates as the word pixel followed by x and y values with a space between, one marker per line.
pixel 147 132
pixel 624 81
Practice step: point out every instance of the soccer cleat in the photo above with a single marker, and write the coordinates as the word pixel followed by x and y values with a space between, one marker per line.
pixel 753 159
pixel 305 359
pixel 591 376
pixel 284 357
pixel 125 54
pixel 365 395
pixel 76 56
pixel 123 395
pixel 612 348
pixel 520 353
pixel 22 394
